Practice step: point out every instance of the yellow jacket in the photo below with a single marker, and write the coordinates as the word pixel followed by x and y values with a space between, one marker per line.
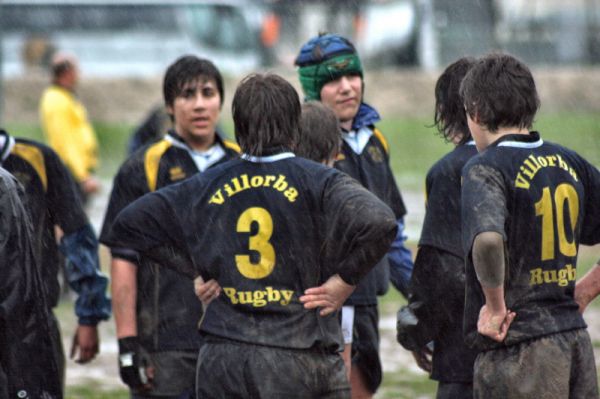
pixel 68 131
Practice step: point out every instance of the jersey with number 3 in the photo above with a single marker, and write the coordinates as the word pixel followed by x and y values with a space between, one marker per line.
pixel 544 200
pixel 266 229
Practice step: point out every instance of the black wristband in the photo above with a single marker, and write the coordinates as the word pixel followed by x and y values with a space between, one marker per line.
pixel 132 367
pixel 129 344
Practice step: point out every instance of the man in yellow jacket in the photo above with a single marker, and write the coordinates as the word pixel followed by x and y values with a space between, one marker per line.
pixel 66 126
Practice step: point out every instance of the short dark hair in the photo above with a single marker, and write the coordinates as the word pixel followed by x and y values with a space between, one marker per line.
pixel 450 118
pixel 60 68
pixel 188 69
pixel 266 113
pixel 320 133
pixel 500 91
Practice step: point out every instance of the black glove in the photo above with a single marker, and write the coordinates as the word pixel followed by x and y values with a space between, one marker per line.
pixel 132 365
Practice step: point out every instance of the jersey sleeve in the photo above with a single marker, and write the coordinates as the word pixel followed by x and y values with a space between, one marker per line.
pixel 64 204
pixel 128 185
pixel 360 227
pixel 149 226
pixel 590 232
pixel 483 203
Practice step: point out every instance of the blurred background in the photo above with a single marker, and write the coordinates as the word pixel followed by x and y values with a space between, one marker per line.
pixel 124 46
pixel 139 38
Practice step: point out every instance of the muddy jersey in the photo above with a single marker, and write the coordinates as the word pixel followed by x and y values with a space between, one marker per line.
pixel 544 200
pixel 372 169
pixel 167 309
pixel 53 199
pixel 267 229
pixel 27 365
pixel 438 278
pixel 441 226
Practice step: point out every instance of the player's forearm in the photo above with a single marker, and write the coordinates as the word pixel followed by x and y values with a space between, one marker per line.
pixel 588 287
pixel 124 293
pixel 489 263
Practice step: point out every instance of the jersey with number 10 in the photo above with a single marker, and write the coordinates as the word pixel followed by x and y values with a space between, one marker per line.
pixel 545 200
pixel 266 229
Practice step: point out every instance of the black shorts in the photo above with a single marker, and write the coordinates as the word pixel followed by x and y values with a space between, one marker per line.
pixel 454 390
pixel 365 345
pixel 57 347
pixel 236 370
pixel 555 366
pixel 174 375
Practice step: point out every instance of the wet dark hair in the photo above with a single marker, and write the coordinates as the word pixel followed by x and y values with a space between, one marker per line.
pixel 189 69
pixel 450 118
pixel 500 91
pixel 266 113
pixel 320 133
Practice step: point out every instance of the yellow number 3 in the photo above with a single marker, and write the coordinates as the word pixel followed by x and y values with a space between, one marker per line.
pixel 258 242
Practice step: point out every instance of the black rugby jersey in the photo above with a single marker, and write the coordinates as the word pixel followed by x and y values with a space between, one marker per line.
pixel 438 279
pixel 266 229
pixel 545 200
pixel 371 168
pixel 167 309
pixel 27 362
pixel 442 224
pixel 53 199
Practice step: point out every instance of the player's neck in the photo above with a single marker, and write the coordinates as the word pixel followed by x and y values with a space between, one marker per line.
pixel 487 137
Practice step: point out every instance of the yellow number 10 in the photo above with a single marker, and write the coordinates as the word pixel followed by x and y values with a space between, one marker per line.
pixel 544 208
pixel 258 242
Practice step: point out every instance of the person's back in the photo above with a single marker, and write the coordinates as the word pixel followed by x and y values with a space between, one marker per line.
pixel 267 227
pixel 53 204
pixel 438 280
pixel 526 207
pixel 548 199
pixel 27 365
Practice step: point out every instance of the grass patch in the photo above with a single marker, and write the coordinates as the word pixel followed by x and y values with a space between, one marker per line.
pixel 414 145
pixel 94 390
pixel 406 385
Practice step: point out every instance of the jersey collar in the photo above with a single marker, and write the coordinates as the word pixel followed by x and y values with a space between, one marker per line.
pixel 531 140
pixel 202 159
pixel 7 142
pixel 272 154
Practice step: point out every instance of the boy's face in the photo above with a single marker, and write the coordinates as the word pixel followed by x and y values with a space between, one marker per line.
pixel 196 111
pixel 343 96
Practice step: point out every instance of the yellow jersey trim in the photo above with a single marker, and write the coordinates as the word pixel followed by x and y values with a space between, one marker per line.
pixel 152 162
pixel 231 145
pixel 35 158
pixel 382 140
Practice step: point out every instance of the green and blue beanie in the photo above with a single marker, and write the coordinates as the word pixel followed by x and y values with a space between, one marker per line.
pixel 323 59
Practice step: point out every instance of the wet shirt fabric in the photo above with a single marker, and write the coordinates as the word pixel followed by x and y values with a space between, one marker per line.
pixel 438 278
pixel 267 229
pixel 167 309
pixel 27 365
pixel 53 199
pixel 365 157
pixel 442 223
pixel 544 200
